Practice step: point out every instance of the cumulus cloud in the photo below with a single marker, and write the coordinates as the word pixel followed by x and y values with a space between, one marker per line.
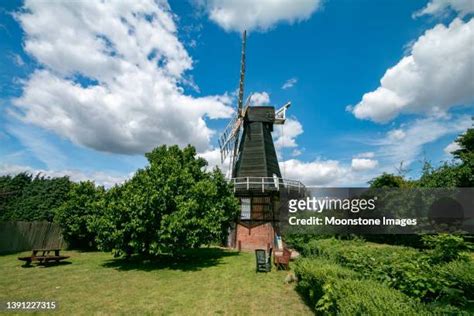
pixel 285 136
pixel 362 164
pixel 435 76
pixel 239 15
pixel 315 173
pixel 100 178
pixel 213 158
pixel 289 83
pixel 111 77
pixel 451 147
pixel 260 98
pixel 440 7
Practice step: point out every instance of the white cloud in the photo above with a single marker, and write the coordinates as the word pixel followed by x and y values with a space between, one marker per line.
pixel 315 173
pixel 239 15
pixel 289 83
pixel 111 77
pixel 440 7
pixel 368 154
pixel 396 134
pixel 285 135
pixel 451 147
pixel 100 178
pixel 362 164
pixel 260 98
pixel 296 152
pixel 213 158
pixel 437 75
pixel 417 134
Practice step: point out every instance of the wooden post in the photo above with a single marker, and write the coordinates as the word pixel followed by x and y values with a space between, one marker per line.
pixel 239 245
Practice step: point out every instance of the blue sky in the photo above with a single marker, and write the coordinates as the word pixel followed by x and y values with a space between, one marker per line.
pixel 86 89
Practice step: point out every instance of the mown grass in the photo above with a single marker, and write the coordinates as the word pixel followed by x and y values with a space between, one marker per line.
pixel 207 281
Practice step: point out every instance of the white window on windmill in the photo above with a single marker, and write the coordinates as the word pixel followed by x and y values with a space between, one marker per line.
pixel 245 207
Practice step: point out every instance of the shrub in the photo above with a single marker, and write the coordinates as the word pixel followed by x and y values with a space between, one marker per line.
pixel 401 268
pixel 446 247
pixel 460 275
pixel 365 297
pixel 312 274
pixel 84 203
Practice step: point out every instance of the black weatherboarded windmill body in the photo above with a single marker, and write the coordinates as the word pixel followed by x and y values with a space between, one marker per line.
pixel 255 172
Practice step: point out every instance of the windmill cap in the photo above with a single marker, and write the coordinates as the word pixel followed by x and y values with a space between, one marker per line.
pixel 260 114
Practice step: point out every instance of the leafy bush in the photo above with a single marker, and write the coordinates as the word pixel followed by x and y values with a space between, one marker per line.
pixel 460 275
pixel 331 289
pixel 446 247
pixel 401 268
pixel 84 203
pixel 365 297
pixel 313 273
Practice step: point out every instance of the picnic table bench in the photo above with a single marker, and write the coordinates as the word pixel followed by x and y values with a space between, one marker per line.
pixel 44 256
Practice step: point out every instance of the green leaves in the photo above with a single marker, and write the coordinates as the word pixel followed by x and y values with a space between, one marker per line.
pixel 83 205
pixel 171 204
pixel 25 197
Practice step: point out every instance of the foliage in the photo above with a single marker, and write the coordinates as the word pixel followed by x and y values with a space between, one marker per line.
pixel 402 268
pixel 446 247
pixel 365 297
pixel 25 197
pixel 84 203
pixel 448 175
pixel 297 240
pixel 331 289
pixel 460 274
pixel 388 180
pixel 170 205
pixel 313 273
pixel 458 173
pixel 466 144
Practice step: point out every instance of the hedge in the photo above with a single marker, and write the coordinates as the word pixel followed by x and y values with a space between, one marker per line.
pixel 329 288
pixel 401 268
pixel 312 274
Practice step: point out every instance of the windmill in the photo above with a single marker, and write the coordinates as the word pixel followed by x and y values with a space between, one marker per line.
pixel 255 173
pixel 230 141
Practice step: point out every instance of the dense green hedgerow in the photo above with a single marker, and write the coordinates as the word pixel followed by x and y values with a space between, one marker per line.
pixel 365 297
pixel 405 269
pixel 460 275
pixel 313 273
pixel 332 289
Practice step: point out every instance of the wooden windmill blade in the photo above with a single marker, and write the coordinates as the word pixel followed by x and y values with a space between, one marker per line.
pixel 239 104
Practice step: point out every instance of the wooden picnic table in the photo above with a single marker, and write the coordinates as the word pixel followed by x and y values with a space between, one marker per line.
pixel 44 256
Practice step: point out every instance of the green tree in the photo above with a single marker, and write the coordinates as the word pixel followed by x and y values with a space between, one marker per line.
pixel 388 180
pixel 27 198
pixel 457 173
pixel 171 204
pixel 83 203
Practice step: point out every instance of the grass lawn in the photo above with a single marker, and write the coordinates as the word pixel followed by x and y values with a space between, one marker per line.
pixel 210 281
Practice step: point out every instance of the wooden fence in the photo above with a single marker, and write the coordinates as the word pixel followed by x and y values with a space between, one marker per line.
pixel 21 236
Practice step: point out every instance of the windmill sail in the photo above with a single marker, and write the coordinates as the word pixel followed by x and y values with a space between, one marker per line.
pixel 229 140
pixel 241 97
